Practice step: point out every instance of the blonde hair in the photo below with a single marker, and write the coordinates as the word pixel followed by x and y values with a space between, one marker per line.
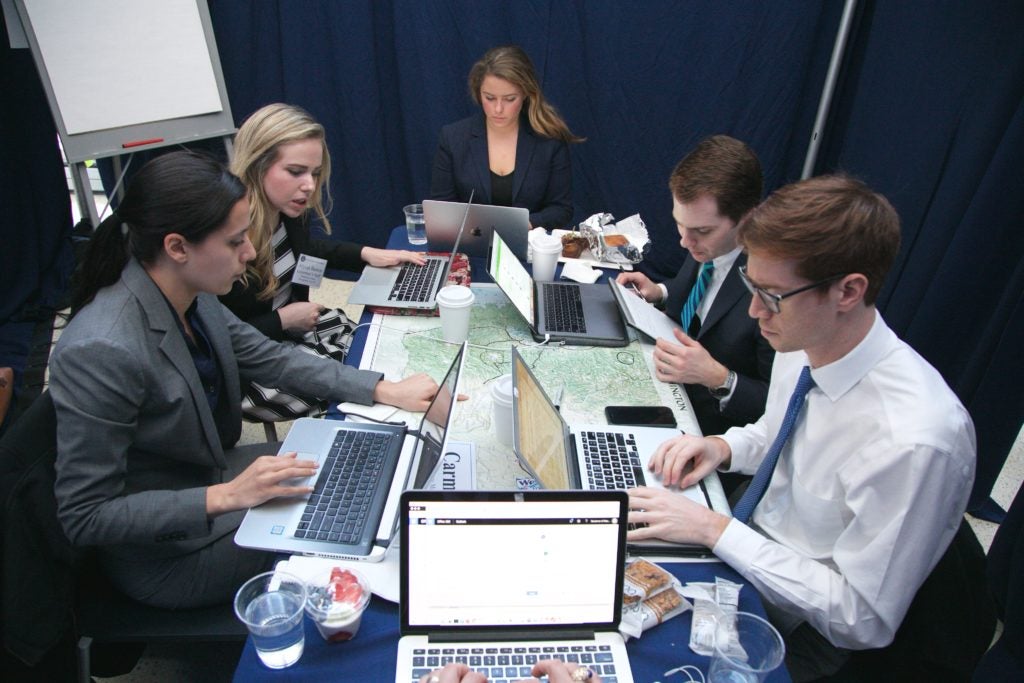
pixel 257 146
pixel 510 63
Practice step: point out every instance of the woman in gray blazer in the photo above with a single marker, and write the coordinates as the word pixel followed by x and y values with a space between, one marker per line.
pixel 145 380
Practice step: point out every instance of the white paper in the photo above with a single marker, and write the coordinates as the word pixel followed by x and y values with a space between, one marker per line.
pixel 117 63
pixel 458 471
pixel 645 317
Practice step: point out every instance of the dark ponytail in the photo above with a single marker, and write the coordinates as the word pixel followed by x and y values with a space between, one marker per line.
pixel 183 192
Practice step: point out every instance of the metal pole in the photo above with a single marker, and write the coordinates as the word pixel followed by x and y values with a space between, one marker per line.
pixel 838 48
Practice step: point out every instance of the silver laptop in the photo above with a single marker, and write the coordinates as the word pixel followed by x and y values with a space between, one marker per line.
pixel 494 580
pixel 599 457
pixel 566 312
pixel 442 220
pixel 364 468
pixel 409 285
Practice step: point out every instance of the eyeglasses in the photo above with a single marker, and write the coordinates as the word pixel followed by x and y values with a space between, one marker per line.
pixel 773 301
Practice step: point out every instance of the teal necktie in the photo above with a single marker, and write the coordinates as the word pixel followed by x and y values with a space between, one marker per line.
pixel 696 294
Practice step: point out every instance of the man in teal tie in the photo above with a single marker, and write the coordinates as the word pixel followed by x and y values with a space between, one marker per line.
pixel 864 458
pixel 721 360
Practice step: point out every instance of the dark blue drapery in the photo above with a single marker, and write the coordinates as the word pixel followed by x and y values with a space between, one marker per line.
pixel 928 111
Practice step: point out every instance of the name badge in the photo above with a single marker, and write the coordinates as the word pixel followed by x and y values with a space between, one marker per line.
pixel 309 270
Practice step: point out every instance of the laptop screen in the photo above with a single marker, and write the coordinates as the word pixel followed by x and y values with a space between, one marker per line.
pixel 495 560
pixel 509 274
pixel 435 422
pixel 539 430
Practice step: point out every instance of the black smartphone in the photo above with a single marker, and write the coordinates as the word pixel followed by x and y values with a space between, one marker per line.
pixel 640 416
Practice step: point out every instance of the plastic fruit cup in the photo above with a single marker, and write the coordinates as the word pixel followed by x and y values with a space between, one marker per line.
pixel 336 601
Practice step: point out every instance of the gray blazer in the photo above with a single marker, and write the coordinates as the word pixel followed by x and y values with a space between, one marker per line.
pixel 137 442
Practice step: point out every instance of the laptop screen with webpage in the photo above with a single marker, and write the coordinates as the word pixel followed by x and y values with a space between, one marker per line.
pixel 509 274
pixel 491 561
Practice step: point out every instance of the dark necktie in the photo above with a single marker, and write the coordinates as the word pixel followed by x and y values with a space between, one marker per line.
pixel 696 294
pixel 752 496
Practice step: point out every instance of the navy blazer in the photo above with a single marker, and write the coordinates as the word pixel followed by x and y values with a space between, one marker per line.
pixel 242 299
pixel 542 180
pixel 732 338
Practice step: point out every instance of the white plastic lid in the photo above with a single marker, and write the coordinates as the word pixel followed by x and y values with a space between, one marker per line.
pixel 501 390
pixel 544 243
pixel 455 296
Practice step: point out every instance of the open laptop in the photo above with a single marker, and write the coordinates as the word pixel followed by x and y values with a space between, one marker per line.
pixel 395 459
pixel 567 312
pixel 495 580
pixel 410 285
pixel 599 457
pixel 442 220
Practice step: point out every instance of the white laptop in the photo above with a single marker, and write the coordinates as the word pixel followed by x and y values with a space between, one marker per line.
pixel 387 460
pixel 495 580
pixel 442 221
pixel 410 285
pixel 596 457
pixel 567 312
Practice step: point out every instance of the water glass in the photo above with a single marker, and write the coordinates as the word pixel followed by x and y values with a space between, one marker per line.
pixel 271 606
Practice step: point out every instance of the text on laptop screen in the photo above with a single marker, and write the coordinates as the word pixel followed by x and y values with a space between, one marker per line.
pixel 511 276
pixel 512 563
pixel 540 429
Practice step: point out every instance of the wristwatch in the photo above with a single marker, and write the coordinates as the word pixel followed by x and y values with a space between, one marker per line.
pixel 726 388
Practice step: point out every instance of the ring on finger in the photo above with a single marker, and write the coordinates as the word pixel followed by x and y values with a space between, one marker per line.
pixel 582 673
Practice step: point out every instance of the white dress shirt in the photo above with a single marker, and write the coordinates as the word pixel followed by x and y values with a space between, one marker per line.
pixel 723 264
pixel 867 493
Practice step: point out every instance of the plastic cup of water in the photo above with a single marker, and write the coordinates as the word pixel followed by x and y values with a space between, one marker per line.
pixel 271 606
pixel 415 225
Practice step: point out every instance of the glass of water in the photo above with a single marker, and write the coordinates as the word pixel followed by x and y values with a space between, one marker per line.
pixel 414 224
pixel 271 606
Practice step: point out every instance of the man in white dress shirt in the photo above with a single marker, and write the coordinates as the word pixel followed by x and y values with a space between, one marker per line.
pixel 871 484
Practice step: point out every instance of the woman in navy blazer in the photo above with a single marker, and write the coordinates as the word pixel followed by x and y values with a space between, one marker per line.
pixel 510 154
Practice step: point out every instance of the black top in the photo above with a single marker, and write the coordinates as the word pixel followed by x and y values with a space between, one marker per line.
pixel 501 189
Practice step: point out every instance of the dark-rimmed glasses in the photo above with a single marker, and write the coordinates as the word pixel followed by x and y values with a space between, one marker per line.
pixel 773 301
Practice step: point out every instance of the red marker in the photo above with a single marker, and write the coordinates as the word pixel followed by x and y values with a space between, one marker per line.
pixel 139 143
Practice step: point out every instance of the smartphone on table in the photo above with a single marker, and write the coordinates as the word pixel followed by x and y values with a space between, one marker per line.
pixel 640 416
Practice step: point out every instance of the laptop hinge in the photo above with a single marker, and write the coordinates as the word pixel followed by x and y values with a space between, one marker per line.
pixel 480 635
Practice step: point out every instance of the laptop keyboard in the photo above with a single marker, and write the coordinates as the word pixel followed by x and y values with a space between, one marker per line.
pixel 416 283
pixel 612 460
pixel 340 504
pixel 563 309
pixel 513 662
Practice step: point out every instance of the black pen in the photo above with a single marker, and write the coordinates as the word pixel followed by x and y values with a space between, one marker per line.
pixel 642 297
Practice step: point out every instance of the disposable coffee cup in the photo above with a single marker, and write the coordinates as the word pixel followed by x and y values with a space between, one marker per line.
pixel 336 601
pixel 455 303
pixel 501 400
pixel 415 224
pixel 546 250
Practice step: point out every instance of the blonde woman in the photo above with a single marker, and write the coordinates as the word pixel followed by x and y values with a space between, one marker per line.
pixel 515 152
pixel 281 156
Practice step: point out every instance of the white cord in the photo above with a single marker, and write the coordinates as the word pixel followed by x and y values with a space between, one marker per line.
pixel 685 669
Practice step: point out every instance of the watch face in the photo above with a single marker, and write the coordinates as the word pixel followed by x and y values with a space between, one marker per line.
pixel 723 391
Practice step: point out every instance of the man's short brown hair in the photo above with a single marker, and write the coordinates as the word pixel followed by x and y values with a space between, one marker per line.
pixel 723 168
pixel 832 225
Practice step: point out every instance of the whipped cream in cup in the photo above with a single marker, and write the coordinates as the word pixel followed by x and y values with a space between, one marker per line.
pixel 335 602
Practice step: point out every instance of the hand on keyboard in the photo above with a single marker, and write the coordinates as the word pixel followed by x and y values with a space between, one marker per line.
pixel 264 479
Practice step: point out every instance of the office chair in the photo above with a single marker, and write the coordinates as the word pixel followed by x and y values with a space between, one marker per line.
pixel 50 587
pixel 947 628
pixel 1005 660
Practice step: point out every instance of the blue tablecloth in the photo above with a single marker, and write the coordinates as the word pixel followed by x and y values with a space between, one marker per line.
pixel 371 655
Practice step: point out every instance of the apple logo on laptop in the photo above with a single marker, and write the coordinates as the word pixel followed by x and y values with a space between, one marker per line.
pixel 475 232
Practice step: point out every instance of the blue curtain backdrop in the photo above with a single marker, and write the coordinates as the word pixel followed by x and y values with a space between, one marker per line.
pixel 928 111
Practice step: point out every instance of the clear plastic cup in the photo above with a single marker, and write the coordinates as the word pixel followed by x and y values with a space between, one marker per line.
pixel 270 605
pixel 336 602
pixel 415 224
